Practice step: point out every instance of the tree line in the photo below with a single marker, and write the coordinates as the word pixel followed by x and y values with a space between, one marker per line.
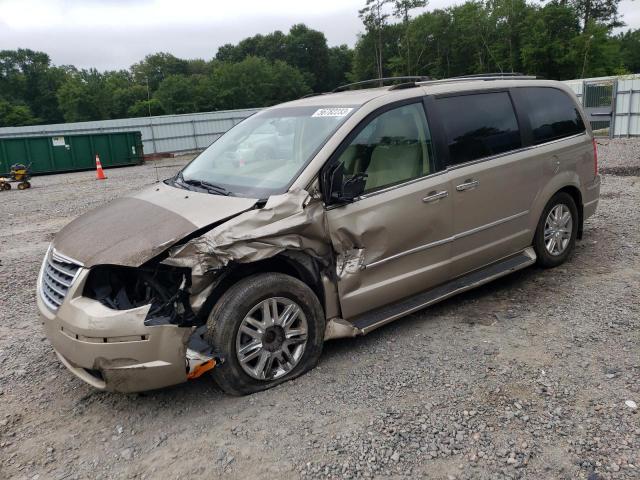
pixel 559 39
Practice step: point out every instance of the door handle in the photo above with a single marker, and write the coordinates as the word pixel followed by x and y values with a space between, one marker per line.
pixel 467 185
pixel 435 196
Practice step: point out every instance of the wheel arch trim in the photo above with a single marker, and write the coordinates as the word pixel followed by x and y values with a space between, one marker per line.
pixel 564 182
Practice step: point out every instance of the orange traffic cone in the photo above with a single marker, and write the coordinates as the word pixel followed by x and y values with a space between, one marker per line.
pixel 99 172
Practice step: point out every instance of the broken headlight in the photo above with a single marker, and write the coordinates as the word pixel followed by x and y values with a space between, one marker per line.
pixel 124 288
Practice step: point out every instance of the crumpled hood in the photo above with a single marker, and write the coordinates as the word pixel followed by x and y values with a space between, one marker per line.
pixel 133 229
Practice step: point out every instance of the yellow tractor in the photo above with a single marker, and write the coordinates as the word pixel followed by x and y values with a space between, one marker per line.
pixel 19 174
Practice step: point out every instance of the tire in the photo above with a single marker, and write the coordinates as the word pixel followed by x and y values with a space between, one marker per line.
pixel 6 186
pixel 562 243
pixel 232 310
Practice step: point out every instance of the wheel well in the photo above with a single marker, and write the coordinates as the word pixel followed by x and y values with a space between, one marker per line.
pixel 577 198
pixel 294 264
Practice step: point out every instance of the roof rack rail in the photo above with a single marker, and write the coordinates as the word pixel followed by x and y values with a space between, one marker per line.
pixel 493 74
pixel 380 81
pixel 402 86
pixel 312 94
pixel 481 77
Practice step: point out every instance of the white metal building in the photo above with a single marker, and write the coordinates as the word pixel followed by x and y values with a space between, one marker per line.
pixel 612 100
pixel 166 133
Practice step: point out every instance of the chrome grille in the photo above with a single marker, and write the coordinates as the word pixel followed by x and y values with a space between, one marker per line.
pixel 58 274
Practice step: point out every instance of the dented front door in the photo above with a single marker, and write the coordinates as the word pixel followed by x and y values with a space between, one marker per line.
pixel 394 240
pixel 402 234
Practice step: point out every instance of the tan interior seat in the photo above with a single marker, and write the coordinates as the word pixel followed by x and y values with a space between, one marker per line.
pixel 398 156
pixel 352 163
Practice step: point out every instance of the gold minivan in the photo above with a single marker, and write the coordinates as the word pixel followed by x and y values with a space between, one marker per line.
pixel 320 218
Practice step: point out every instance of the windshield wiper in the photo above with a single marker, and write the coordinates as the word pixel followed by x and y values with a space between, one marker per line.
pixel 208 186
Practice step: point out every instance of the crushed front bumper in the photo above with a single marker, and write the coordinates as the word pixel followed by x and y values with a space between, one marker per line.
pixel 113 349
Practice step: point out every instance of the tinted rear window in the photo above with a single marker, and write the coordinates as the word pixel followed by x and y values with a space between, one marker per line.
pixel 478 125
pixel 552 113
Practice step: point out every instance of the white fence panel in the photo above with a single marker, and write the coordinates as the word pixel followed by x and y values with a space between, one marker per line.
pixel 166 133
pixel 627 113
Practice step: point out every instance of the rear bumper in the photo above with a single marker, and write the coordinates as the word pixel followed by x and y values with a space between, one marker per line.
pixel 113 349
pixel 591 197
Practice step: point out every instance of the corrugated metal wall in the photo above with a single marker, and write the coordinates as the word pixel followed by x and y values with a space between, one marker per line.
pixel 625 114
pixel 627 109
pixel 167 133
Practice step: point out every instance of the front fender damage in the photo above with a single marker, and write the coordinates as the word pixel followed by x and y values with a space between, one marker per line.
pixel 294 221
pixel 291 224
pixel 291 221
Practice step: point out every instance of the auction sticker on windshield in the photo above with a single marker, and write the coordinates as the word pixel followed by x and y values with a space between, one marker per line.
pixel 332 112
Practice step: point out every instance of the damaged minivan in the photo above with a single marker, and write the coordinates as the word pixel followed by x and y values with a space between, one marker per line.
pixel 320 218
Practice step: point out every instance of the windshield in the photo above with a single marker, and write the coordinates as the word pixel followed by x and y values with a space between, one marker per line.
pixel 264 154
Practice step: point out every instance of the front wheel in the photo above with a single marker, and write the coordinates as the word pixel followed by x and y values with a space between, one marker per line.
pixel 557 229
pixel 269 328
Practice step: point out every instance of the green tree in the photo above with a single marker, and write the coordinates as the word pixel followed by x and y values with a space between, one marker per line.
pixel 145 108
pixel 600 54
pixel 508 19
pixel 180 94
pixel 303 48
pixel 431 33
pixel 339 66
pixel 85 96
pixel 375 19
pixel 256 82
pixel 12 115
pixel 156 67
pixel 401 10
pixel 629 42
pixel 27 77
pixel 604 12
pixel 123 98
pixel 549 45
pixel 307 50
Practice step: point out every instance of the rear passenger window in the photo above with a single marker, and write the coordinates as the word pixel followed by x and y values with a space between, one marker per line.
pixel 552 114
pixel 478 125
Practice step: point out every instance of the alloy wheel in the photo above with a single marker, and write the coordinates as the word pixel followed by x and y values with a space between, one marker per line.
pixel 271 338
pixel 557 229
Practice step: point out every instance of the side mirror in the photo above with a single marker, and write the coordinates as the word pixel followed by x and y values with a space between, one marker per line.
pixel 345 191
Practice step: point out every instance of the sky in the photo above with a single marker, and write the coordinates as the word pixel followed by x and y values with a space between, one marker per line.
pixel 113 34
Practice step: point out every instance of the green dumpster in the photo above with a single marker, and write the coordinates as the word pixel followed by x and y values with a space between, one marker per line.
pixel 66 153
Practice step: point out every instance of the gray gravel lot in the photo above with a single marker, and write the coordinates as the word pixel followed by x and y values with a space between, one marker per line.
pixel 524 378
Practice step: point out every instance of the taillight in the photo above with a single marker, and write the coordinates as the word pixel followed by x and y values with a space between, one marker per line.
pixel 595 158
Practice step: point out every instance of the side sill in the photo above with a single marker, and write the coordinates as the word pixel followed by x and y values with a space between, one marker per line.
pixel 369 321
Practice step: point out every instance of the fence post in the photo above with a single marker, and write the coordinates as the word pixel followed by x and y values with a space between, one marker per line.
pixel 153 136
pixel 630 107
pixel 195 135
pixel 614 101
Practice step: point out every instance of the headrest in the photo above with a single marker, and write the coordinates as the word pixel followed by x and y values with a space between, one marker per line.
pixel 396 127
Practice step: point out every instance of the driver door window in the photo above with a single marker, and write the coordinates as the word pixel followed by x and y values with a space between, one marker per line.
pixel 393 148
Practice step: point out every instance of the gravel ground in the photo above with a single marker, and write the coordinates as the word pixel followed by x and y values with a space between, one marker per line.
pixel 524 378
pixel 620 156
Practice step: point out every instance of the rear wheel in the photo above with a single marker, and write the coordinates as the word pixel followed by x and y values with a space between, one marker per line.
pixel 6 186
pixel 269 328
pixel 23 186
pixel 557 229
